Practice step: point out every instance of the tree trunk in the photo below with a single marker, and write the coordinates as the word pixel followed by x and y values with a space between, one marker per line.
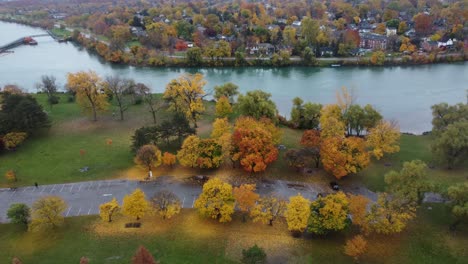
pixel 121 114
pixel 94 114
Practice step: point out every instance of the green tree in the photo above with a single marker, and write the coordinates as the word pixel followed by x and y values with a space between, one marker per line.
pixel 458 195
pixel 19 213
pixel 22 113
pixel 328 213
pixel 257 104
pixel 216 200
pixel 444 114
pixel 451 146
pixel 194 56
pixel 47 213
pixel 228 90
pixel 309 30
pixel 410 183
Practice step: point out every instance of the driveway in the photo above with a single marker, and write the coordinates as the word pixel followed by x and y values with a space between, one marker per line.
pixel 84 198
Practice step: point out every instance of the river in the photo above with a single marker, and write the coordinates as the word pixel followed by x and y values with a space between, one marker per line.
pixel 404 94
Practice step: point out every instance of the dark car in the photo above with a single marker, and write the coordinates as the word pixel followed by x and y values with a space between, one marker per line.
pixel 334 186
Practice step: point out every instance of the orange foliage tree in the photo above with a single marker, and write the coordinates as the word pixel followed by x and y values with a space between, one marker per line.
pixel 169 159
pixel 342 156
pixel 254 148
pixel 245 197
pixel 312 141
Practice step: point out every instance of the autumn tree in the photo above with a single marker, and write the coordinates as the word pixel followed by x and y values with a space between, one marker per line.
pixel 47 213
pixel 268 209
pixel 166 204
pixel 148 156
pixel 143 256
pixel 228 90
pixel 84 260
pixel 13 139
pixel 108 210
pixel 10 177
pixel 388 216
pixel 245 197
pixel 168 159
pixel 341 157
pixel 119 86
pixel 355 247
pixel 331 121
pixel 257 104
pixel 297 214
pixel 410 183
pixel 16 260
pixel 312 141
pixel 216 200
pixel 253 147
pixel 135 204
pixel 458 195
pixel 296 158
pixel 305 115
pixel 384 138
pixel 309 30
pixel 328 214
pixel 223 107
pixel 189 152
pixel 19 213
pixel 89 91
pixel 185 95
pixel 377 58
pixel 358 210
pixel 423 24
pixel 221 126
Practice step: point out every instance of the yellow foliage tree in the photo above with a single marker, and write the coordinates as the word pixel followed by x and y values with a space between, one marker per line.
pixel 166 204
pixel 328 213
pixel 47 213
pixel 185 95
pixel 245 197
pixel 135 204
pixel 216 200
pixel 10 176
pixel 169 159
pixel 189 152
pixel 383 138
pixel 109 209
pixel 14 139
pixel 221 126
pixel 268 209
pixel 223 107
pixel 89 91
pixel 297 213
pixel 355 247
pixel 331 122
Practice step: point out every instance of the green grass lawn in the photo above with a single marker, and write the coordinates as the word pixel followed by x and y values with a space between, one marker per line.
pixel 62 33
pixel 189 238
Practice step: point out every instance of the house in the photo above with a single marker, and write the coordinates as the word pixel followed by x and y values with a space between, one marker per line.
pixel 261 48
pixel 430 45
pixel 446 43
pixel 138 31
pixel 373 41
pixel 296 24
pixel 391 31
pixel 326 52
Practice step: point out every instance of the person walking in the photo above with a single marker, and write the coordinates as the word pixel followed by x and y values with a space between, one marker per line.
pixel 35 184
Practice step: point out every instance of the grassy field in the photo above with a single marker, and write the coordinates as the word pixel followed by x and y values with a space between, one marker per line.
pixel 188 238
pixel 58 156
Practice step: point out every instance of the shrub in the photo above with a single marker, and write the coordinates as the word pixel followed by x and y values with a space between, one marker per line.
pixel 253 255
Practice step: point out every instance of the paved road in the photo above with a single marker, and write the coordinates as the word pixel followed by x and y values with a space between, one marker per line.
pixel 84 198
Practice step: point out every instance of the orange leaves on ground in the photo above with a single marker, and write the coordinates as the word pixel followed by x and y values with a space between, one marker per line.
pixel 355 247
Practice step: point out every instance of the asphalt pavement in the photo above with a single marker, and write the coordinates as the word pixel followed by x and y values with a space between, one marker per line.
pixel 84 198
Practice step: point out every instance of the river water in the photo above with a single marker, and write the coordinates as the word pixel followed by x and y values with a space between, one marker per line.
pixel 404 94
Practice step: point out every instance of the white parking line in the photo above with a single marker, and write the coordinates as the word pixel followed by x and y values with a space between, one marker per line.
pixel 69 210
pixel 80 187
pixel 25 189
pixel 62 187
pixel 193 201
pixel 53 188
pixel 13 193
pixel 71 189
pixel 34 189
pixel 79 211
pixel 183 201
pixel 43 189
pixel 89 211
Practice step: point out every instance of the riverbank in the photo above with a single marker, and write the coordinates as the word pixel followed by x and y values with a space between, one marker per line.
pixel 139 56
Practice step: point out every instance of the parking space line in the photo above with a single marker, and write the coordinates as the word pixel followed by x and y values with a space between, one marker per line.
pixel 34 189
pixel 69 210
pixel 43 188
pixel 25 189
pixel 71 189
pixel 13 193
pixel 80 187
pixel 90 210
pixel 63 185
pixel 193 201
pixel 53 188
pixel 79 211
